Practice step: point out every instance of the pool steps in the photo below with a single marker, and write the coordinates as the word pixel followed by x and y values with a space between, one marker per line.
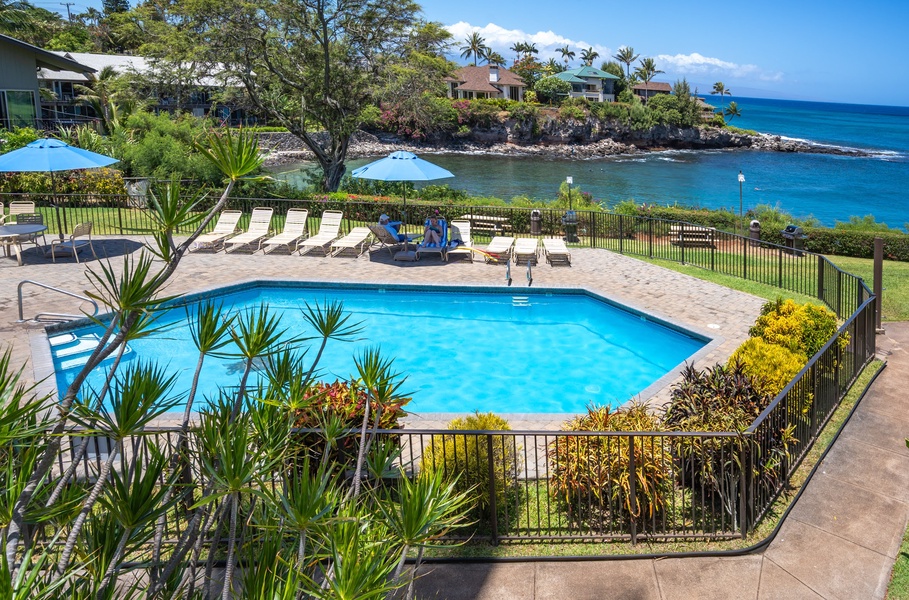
pixel 76 350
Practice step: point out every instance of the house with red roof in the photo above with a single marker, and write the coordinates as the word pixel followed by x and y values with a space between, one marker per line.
pixel 649 90
pixel 486 81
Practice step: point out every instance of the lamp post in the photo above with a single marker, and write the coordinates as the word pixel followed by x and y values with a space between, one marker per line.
pixel 741 181
pixel 569 180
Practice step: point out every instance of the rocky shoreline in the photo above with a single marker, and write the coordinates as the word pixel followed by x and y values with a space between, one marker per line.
pixel 284 148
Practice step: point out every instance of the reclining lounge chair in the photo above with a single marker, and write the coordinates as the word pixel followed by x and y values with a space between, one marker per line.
pixel 556 252
pixel 499 249
pixel 441 248
pixel 225 227
pixel 328 232
pixel 258 230
pixel 294 231
pixel 526 251
pixel 358 238
pixel 460 240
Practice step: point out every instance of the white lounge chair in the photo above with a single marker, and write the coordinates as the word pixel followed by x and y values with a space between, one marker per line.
pixel 556 251
pixel 294 231
pixel 258 230
pixel 225 227
pixel 460 231
pixel 526 250
pixel 328 232
pixel 72 243
pixel 358 238
pixel 500 247
pixel 20 207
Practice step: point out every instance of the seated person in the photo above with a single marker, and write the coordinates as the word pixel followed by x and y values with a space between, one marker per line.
pixel 392 226
pixel 432 234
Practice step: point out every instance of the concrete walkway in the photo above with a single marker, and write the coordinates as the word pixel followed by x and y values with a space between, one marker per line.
pixel 839 541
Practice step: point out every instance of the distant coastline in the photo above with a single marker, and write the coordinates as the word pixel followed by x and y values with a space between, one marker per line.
pixel 285 148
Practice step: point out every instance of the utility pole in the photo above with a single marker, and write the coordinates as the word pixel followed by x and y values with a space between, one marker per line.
pixel 69 15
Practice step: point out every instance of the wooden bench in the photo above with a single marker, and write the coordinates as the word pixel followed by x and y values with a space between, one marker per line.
pixel 692 235
pixel 491 226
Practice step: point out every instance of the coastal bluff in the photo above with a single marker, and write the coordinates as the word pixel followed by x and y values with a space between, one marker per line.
pixel 581 139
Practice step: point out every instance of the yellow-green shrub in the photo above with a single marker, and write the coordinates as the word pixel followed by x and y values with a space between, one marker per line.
pixel 802 328
pixel 467 458
pixel 771 367
pixel 591 475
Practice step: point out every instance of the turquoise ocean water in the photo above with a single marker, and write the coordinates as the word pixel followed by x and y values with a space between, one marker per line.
pixel 830 188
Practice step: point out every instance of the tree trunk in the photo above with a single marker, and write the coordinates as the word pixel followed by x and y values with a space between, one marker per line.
pixel 86 509
pixel 231 544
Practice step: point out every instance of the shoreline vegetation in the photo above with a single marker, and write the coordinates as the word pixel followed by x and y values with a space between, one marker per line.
pixel 282 148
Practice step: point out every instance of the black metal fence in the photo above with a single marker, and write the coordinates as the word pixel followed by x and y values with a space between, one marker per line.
pixel 630 486
pixel 605 486
pixel 787 268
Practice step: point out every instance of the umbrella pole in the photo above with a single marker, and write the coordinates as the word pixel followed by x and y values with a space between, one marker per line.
pixel 56 206
pixel 404 215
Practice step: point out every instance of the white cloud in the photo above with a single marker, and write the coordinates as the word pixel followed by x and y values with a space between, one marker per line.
pixel 501 39
pixel 699 65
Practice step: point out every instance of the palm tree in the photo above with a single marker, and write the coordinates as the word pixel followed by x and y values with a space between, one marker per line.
pixel 626 55
pixel 552 66
pixel 567 54
pixel 732 110
pixel 494 58
pixel 14 17
pixel 518 48
pixel 531 48
pixel 588 56
pixel 475 46
pixel 719 88
pixel 646 72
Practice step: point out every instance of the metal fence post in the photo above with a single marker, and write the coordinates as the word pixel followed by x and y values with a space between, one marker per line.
pixel 745 259
pixel 820 278
pixel 493 509
pixel 650 240
pixel 621 234
pixel 120 218
pixel 633 491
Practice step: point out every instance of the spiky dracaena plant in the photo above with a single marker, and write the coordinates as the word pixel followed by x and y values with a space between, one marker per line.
pixel 237 156
pixel 141 394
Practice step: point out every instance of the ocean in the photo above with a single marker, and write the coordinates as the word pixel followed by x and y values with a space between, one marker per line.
pixel 827 187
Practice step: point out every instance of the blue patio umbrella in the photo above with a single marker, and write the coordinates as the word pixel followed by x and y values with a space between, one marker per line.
pixel 50 155
pixel 402 166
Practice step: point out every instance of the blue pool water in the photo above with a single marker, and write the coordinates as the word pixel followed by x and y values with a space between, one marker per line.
pixel 515 352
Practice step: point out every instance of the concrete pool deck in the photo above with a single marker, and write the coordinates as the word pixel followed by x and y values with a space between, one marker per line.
pixel 705 308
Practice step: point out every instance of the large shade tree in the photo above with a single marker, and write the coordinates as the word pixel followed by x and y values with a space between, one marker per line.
pixel 310 65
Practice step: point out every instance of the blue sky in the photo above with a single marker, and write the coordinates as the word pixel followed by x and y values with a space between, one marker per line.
pixel 833 51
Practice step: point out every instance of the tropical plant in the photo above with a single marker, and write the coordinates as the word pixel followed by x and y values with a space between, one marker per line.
pixel 719 88
pixel 567 54
pixel 475 46
pixel 770 367
pixel 626 56
pixel 494 58
pixel 464 460
pixel 589 55
pixel 13 16
pixel 646 72
pixel 800 328
pixel 732 110
pixel 552 89
pixel 591 476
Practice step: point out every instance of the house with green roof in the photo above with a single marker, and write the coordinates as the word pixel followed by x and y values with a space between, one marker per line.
pixel 590 83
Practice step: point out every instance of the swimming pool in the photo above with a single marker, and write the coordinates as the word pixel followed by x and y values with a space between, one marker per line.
pixel 462 349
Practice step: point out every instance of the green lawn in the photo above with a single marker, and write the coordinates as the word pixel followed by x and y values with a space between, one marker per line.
pixel 896 282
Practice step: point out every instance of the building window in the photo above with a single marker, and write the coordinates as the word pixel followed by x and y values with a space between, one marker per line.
pixel 514 93
pixel 17 108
